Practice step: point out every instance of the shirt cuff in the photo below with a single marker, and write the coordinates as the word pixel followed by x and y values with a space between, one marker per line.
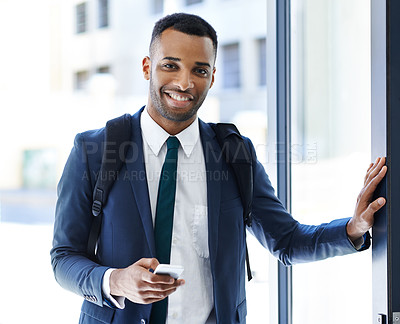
pixel 117 301
pixel 358 244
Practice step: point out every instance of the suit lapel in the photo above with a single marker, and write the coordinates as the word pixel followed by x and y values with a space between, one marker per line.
pixel 212 156
pixel 137 177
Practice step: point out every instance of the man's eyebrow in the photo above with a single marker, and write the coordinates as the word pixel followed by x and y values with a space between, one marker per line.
pixel 171 58
pixel 177 59
pixel 203 64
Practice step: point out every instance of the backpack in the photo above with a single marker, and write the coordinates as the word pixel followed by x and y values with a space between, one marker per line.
pixel 118 131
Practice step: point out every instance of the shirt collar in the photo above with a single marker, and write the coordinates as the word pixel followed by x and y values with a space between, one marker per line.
pixel 155 135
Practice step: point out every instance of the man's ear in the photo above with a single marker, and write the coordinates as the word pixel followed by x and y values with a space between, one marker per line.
pixel 146 67
pixel 213 77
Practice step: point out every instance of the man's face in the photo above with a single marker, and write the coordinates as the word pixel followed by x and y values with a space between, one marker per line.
pixel 181 71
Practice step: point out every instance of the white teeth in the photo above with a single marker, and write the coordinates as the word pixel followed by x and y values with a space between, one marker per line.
pixel 177 97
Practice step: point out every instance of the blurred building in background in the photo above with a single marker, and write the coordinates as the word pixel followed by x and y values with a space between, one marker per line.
pixel 68 66
pixel 75 64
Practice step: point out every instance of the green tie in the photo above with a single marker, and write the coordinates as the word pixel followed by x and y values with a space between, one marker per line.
pixel 165 219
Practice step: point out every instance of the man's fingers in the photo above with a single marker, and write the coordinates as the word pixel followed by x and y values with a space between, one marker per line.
pixel 148 263
pixel 374 170
pixel 370 166
pixel 163 279
pixel 154 293
pixel 152 298
pixel 158 291
pixel 376 205
pixel 377 179
pixel 368 172
pixel 371 184
pixel 164 287
pixel 367 192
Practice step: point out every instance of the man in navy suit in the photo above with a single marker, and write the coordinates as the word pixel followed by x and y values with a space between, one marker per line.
pixel 208 232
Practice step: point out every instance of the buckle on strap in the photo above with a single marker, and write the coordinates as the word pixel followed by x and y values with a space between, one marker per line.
pixel 97 208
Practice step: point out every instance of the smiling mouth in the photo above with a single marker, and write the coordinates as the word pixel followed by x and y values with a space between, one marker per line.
pixel 178 97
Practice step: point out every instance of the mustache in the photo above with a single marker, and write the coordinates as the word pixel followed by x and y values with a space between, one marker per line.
pixel 174 89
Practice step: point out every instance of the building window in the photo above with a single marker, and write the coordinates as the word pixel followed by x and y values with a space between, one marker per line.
pixel 39 168
pixel 158 6
pixel 81 79
pixel 262 61
pixel 81 19
pixel 103 13
pixel 103 69
pixel 190 2
pixel 231 66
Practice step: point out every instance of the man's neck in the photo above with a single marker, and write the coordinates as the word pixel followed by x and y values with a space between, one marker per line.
pixel 170 126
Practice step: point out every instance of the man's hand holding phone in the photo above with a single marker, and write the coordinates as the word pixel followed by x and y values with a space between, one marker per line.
pixel 139 285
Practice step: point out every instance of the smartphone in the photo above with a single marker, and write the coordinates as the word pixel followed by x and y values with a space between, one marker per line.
pixel 168 269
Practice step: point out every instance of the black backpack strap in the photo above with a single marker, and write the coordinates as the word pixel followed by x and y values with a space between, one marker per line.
pixel 117 136
pixel 237 155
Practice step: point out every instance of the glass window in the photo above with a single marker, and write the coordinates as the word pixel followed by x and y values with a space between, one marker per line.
pixel 189 2
pixel 103 69
pixel 81 18
pixel 103 13
pixel 81 80
pixel 39 168
pixel 158 6
pixel 330 91
pixel 262 61
pixel 79 93
pixel 231 66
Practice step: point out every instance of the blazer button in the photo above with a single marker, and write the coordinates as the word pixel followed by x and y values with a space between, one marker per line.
pixel 142 321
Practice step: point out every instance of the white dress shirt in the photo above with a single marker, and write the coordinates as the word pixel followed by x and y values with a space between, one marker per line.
pixel 192 302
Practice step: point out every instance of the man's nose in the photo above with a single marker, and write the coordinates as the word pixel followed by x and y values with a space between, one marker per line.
pixel 184 80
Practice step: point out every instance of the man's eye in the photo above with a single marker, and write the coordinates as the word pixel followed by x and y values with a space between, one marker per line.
pixel 169 66
pixel 202 71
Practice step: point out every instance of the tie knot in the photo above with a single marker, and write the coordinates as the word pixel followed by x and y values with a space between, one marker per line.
pixel 172 142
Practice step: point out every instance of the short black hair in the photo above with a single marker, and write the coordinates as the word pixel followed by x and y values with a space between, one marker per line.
pixel 185 23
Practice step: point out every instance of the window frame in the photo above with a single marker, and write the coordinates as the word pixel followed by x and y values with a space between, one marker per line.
pixel 103 13
pixel 81 79
pixel 231 78
pixel 385 111
pixel 81 18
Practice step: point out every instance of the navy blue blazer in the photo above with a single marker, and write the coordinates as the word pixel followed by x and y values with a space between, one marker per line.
pixel 127 231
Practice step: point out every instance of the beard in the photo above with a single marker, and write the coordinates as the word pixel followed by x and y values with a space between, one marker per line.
pixel 168 113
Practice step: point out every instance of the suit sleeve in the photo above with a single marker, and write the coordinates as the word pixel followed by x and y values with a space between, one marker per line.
pixel 72 268
pixel 287 239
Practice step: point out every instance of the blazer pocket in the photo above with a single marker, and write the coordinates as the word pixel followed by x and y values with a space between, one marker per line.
pixel 200 231
pixel 241 311
pixel 102 314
